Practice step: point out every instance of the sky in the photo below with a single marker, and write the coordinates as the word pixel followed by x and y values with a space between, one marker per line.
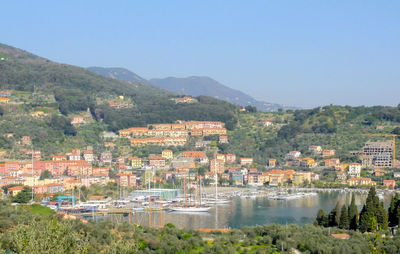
pixel 297 53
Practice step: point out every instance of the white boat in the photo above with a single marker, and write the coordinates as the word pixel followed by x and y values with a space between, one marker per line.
pixel 218 201
pixel 190 209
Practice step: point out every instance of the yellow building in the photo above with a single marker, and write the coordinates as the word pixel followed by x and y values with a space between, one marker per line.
pixel 167 154
pixel 136 162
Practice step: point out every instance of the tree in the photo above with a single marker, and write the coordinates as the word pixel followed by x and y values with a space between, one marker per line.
pixel 46 175
pixel 353 214
pixel 373 216
pixel 322 219
pixel 24 196
pixel 392 211
pixel 344 218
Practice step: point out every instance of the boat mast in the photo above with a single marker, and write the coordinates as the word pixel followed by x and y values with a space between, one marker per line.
pixel 216 179
pixel 184 189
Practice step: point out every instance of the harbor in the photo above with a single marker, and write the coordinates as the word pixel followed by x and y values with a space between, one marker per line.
pixel 232 208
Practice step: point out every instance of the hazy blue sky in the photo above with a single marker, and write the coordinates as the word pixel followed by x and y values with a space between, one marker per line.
pixel 302 53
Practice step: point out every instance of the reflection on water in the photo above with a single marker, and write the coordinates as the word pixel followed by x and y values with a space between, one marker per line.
pixel 250 212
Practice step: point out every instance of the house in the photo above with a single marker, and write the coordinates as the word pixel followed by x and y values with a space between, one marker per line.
pixel 230 158
pixel 75 155
pixel 300 178
pixel 380 172
pixel 246 161
pixel 267 122
pixel 271 163
pixel 126 179
pixel 15 190
pixel 136 162
pixel 341 175
pixel 109 145
pixel 223 139
pixel 389 184
pixel 217 165
pixel 88 156
pixel 5 94
pixel 360 181
pixel 9 134
pixel 203 144
pixel 106 157
pixel 4 100
pixel 157 161
pixel 78 120
pixel 342 236
pixel 276 179
pixel 293 155
pixel 199 156
pixel 255 178
pixel 333 162
pixel 221 157
pixel 307 162
pixel 167 154
pixel 26 140
pixel 236 177
pixel 354 170
pixel 315 149
pixel 38 113
pixel 328 153
pixel 59 158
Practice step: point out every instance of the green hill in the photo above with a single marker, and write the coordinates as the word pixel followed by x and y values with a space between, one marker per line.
pixel 64 91
pixel 76 89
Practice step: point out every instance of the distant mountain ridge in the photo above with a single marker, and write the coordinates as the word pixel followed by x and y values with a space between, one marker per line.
pixel 194 86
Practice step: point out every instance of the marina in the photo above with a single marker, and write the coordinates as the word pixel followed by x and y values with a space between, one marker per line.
pixel 231 209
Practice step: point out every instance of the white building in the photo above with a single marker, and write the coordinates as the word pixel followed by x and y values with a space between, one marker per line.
pixel 293 155
pixel 354 169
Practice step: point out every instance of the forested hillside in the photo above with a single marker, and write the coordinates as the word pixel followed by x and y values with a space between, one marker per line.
pixel 333 127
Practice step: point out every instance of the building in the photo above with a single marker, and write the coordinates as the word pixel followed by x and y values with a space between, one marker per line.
pixel 267 122
pixel 354 170
pixel 328 153
pixel 332 162
pixel 217 165
pixel 15 190
pixel 360 181
pixel 271 163
pixel 236 177
pixel 341 175
pixel 246 161
pixel 161 141
pixel 221 157
pixel 293 155
pixel 380 152
pixel 230 158
pixel 315 149
pixel 389 184
pixel 136 162
pixel 157 161
pixel 4 100
pixel 106 157
pixel 167 154
pixel 26 140
pixel 223 139
pixel 126 179
pixel 88 156
pixel 396 174
pixel 75 155
pixel 255 178
pixel 379 172
pixel 78 120
pixel 307 162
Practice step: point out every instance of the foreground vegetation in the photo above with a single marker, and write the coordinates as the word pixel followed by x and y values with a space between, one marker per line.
pixel 26 229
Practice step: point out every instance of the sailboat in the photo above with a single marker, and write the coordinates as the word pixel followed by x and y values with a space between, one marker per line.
pixel 190 208
pixel 217 201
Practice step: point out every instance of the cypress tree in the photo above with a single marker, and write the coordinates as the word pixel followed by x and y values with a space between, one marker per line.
pixel 338 212
pixel 321 219
pixel 392 211
pixel 332 218
pixel 353 214
pixel 344 218
pixel 373 215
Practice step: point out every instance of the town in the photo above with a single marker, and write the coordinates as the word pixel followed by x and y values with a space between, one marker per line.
pixel 83 167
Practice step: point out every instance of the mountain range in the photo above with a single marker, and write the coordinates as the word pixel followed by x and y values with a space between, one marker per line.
pixel 193 86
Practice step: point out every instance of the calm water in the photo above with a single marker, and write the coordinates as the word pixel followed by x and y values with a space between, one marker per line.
pixel 250 212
